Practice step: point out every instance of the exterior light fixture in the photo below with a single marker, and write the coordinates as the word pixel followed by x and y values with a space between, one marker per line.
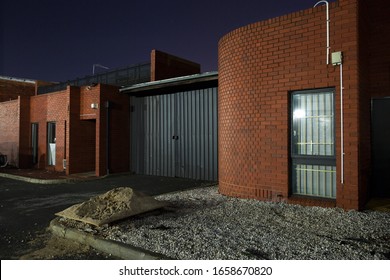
pixel 337 58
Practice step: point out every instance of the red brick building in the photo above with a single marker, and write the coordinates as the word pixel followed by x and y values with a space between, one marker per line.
pixel 303 112
pixel 13 93
pixel 283 133
pixel 80 127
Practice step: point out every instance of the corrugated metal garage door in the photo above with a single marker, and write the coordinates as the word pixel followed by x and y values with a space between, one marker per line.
pixel 176 135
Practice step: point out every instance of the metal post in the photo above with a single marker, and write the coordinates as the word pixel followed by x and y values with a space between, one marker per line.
pixel 327 29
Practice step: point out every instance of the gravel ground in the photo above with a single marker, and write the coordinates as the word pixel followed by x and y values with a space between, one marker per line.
pixel 202 224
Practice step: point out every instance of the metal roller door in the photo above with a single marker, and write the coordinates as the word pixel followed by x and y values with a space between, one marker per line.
pixel 176 135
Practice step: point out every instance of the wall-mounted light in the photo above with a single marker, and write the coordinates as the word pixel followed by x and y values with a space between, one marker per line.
pixel 94 105
pixel 337 58
pixel 91 86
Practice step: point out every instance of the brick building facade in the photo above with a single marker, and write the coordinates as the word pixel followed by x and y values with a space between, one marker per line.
pixel 79 124
pixel 282 134
pixel 295 124
pixel 77 129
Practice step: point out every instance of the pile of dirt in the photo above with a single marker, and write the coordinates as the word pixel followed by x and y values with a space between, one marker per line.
pixel 111 206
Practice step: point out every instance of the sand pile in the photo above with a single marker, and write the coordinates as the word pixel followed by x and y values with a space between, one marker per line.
pixel 111 206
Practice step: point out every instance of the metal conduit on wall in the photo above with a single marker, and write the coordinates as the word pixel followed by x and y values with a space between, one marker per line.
pixel 176 135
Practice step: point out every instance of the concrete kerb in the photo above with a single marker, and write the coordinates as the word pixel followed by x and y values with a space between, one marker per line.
pixel 35 180
pixel 114 248
pixel 46 181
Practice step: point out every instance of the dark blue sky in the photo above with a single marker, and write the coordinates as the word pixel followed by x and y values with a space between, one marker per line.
pixel 58 40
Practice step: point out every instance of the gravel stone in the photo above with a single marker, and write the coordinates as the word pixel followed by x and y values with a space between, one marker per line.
pixel 203 224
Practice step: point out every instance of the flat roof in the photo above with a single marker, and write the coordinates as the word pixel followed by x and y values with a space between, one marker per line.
pixel 172 82
pixel 22 80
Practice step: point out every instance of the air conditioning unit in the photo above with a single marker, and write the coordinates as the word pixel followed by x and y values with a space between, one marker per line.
pixel 64 163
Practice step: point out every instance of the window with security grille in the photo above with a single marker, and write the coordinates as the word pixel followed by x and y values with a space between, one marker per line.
pixel 313 143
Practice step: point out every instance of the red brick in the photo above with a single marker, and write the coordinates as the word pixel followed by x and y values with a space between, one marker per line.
pixel 289 52
pixel 164 66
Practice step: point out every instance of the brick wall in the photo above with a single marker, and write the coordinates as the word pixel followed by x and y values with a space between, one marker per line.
pixel 87 140
pixel 119 129
pixel 89 95
pixel 376 15
pixel 11 89
pixel 9 131
pixel 164 66
pixel 82 131
pixel 259 65
pixel 46 108
pixel 25 154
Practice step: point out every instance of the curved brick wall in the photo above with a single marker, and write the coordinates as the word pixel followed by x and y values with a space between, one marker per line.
pixel 259 65
pixel 252 119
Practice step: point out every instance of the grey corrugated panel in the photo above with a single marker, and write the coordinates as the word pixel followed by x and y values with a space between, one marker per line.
pixel 180 156
pixel 158 137
pixel 199 140
pixel 137 134
pixel 215 133
pixel 190 115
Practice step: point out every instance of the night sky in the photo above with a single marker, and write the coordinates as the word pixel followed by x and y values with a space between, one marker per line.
pixel 59 40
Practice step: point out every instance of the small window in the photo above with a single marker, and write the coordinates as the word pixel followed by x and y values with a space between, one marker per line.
pixel 313 143
pixel 34 142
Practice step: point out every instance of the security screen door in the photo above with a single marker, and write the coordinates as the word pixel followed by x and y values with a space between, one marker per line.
pixel 313 143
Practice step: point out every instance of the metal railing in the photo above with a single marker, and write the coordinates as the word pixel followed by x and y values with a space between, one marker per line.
pixel 130 75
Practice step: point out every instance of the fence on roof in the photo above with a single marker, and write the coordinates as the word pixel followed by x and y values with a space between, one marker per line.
pixel 133 74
